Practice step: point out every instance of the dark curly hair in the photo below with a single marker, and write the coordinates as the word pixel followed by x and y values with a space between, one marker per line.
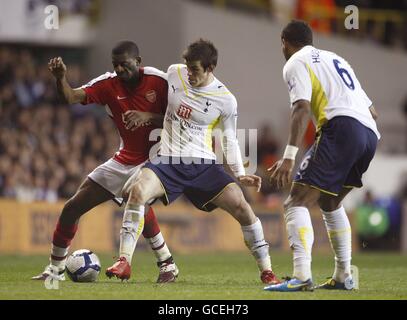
pixel 203 51
pixel 298 33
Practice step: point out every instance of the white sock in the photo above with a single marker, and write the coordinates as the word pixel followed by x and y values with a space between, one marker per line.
pixel 339 233
pixel 301 238
pixel 58 257
pixel 159 247
pixel 132 226
pixel 254 239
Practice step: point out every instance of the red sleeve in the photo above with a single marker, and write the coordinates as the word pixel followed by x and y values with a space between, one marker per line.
pixel 94 94
pixel 164 95
pixel 97 90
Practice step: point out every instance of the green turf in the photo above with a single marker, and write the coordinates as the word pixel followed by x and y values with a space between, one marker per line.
pixel 205 276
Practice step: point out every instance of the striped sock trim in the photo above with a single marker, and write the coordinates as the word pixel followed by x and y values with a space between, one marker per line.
pixel 160 247
pixel 58 258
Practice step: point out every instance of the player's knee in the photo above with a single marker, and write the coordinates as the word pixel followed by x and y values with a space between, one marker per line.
pixel 243 212
pixel 299 199
pixel 329 205
pixel 129 184
pixel 236 206
pixel 137 195
pixel 287 203
pixel 294 200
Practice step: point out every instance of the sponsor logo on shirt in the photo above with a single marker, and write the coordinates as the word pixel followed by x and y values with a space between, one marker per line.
pixel 184 111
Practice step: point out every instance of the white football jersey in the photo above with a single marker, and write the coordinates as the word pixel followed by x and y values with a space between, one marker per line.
pixel 330 84
pixel 192 114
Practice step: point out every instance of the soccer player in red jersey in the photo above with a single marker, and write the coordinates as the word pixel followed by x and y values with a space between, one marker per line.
pixel 136 100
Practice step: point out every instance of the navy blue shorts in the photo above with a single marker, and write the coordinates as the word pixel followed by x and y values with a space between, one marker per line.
pixel 199 182
pixel 340 155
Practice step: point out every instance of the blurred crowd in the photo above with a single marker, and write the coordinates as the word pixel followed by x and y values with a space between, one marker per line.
pixel 46 148
pixel 380 21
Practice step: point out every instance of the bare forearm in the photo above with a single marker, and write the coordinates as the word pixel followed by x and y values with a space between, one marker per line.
pixel 300 117
pixel 67 94
pixel 232 154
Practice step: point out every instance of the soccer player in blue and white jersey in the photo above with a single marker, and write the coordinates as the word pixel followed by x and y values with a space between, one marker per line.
pixel 323 84
pixel 197 102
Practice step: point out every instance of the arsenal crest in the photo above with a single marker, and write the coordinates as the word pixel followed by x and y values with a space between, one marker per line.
pixel 151 96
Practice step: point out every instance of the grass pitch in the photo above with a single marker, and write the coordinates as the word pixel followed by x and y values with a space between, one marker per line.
pixel 205 277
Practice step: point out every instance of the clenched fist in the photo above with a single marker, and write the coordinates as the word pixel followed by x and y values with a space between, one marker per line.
pixel 57 67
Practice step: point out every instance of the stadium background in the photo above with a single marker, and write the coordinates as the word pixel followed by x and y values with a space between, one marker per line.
pixel 47 148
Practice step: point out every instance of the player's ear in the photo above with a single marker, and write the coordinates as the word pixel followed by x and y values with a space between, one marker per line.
pixel 138 60
pixel 210 68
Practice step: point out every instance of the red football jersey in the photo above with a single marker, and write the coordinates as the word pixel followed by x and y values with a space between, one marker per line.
pixel 150 96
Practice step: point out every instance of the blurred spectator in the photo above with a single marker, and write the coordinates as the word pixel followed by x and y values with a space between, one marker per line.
pixel 267 154
pixel 283 10
pixel 378 221
pixel 45 148
pixel 368 199
pixel 267 146
pixel 319 14
pixel 381 21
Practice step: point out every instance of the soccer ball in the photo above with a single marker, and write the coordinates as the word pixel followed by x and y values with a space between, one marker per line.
pixel 83 266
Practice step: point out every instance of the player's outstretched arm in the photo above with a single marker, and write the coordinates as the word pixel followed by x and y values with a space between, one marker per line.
pixel 300 117
pixel 58 69
pixel 282 169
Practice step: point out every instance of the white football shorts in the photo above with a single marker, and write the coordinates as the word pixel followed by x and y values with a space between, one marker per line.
pixel 113 175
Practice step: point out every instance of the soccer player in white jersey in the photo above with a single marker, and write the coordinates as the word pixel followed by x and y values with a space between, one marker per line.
pixel 197 102
pixel 324 84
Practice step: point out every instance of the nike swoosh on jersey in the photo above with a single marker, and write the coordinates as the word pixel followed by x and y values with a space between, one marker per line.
pixel 121 98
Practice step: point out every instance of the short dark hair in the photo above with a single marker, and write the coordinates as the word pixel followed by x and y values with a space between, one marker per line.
pixel 203 51
pixel 128 47
pixel 298 33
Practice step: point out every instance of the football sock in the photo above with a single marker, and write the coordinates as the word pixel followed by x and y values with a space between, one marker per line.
pixel 151 227
pixel 254 240
pixel 300 237
pixel 61 241
pixel 154 237
pixel 159 247
pixel 340 236
pixel 132 226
